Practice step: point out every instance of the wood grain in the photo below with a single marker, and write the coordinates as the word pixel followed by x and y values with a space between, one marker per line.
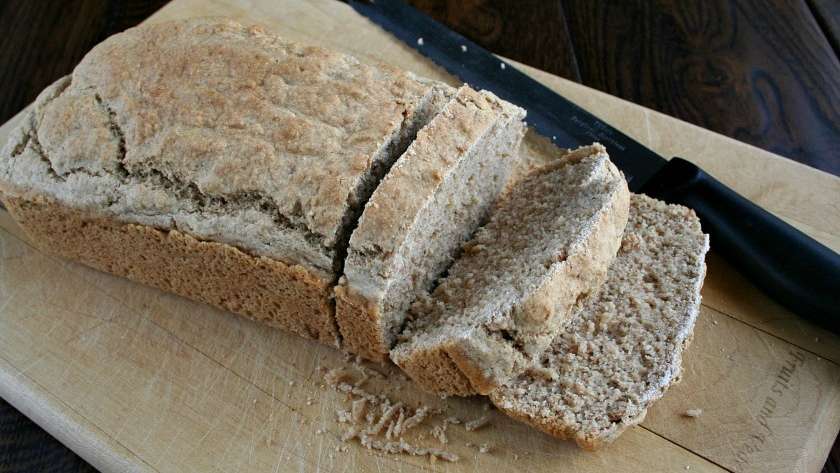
pixel 163 357
pixel 759 71
pixel 531 31
pixel 827 14
pixel 44 40
pixel 24 446
pixel 103 436
pixel 193 388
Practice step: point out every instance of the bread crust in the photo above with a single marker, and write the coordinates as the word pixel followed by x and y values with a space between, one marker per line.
pixel 548 412
pixel 359 320
pixel 487 359
pixel 395 219
pixel 282 295
pixel 439 366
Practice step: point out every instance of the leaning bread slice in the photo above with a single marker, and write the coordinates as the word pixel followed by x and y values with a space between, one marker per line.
pixel 423 211
pixel 546 247
pixel 624 349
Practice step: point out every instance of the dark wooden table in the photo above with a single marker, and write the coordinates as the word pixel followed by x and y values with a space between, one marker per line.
pixel 765 72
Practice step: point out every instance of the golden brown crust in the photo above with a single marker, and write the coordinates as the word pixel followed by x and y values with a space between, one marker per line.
pixel 411 227
pixel 435 151
pixel 479 382
pixel 486 359
pixel 427 368
pixel 223 131
pixel 557 430
pixel 359 321
pixel 235 109
pixel 260 288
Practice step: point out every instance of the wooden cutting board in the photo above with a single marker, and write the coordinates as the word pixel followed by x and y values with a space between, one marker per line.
pixel 137 380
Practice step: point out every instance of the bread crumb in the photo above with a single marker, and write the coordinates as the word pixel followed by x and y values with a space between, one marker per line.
pixel 694 413
pixel 463 48
pixel 502 65
pixel 402 446
pixel 415 420
pixel 337 376
pixel 539 371
pixel 688 467
pixel 715 322
pixel 485 448
pixel 420 41
pixel 343 416
pixel 439 432
pixel 389 413
pixel 292 383
pixel 379 423
pixel 477 423
pixel 631 242
pixel 357 410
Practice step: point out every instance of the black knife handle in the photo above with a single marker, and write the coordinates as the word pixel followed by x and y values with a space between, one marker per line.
pixel 786 264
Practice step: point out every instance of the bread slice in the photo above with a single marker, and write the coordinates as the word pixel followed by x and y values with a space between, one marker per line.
pixel 624 349
pixel 423 211
pixel 223 133
pixel 546 247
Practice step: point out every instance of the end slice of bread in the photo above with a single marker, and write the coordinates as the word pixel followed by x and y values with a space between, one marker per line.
pixel 547 246
pixel 625 347
pixel 427 206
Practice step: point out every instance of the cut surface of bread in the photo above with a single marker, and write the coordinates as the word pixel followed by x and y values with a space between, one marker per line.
pixel 624 348
pixel 427 206
pixel 546 247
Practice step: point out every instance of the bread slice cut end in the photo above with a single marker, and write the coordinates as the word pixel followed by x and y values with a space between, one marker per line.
pixel 624 348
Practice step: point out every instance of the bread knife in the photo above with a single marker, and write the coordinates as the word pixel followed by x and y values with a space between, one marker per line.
pixel 789 266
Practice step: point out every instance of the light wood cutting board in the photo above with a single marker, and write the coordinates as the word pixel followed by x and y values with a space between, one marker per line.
pixel 137 380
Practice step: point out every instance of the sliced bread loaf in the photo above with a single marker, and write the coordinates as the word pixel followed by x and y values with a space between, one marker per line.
pixel 545 249
pixel 422 212
pixel 624 349
pixel 222 134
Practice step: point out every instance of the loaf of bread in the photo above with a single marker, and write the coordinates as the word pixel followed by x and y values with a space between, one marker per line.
pixel 544 250
pixel 360 206
pixel 218 162
pixel 429 204
pixel 624 348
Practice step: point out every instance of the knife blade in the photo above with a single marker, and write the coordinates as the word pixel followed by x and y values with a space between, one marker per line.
pixel 551 115
pixel 786 264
